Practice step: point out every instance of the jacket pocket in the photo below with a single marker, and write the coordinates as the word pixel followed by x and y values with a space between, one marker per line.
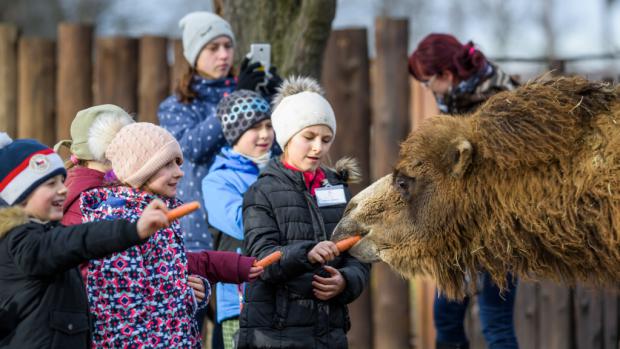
pixel 70 329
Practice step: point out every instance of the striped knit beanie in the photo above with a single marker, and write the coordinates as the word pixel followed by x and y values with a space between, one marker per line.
pixel 24 165
pixel 139 150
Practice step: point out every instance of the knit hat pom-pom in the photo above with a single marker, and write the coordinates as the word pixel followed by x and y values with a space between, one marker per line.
pixel 294 85
pixel 5 140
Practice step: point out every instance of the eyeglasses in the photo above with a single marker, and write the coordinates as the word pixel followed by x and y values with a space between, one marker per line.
pixel 428 82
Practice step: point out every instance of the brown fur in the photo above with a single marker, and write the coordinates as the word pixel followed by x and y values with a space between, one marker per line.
pixel 529 184
pixel 11 217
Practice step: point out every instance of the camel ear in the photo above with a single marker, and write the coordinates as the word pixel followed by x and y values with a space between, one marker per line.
pixel 461 157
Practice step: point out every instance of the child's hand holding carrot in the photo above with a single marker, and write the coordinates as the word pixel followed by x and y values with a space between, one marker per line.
pixel 323 252
pixel 255 272
pixel 153 218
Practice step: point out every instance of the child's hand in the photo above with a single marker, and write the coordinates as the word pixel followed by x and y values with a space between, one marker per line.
pixel 327 288
pixel 255 272
pixel 323 252
pixel 199 288
pixel 153 218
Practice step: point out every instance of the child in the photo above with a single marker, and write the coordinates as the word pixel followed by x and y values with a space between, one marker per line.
pixel 245 117
pixel 88 166
pixel 142 296
pixel 42 298
pixel 293 207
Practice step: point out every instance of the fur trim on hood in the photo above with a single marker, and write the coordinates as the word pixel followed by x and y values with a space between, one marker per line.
pixel 294 85
pixel 11 217
pixel 348 170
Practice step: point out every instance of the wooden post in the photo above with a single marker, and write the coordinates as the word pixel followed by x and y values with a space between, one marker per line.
pixel 154 76
pixel 527 318
pixel 179 66
pixel 116 70
pixel 36 93
pixel 75 74
pixel 346 80
pixel 589 318
pixel 556 315
pixel 8 79
pixel 390 126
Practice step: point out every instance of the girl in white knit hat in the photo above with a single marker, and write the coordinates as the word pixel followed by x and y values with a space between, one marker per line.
pixel 145 296
pixel 293 207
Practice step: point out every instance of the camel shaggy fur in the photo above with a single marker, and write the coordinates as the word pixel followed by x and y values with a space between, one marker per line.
pixel 529 184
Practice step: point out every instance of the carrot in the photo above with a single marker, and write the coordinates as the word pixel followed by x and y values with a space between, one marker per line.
pixel 347 243
pixel 270 259
pixel 182 210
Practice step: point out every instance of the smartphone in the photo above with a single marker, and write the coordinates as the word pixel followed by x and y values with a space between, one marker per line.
pixel 261 53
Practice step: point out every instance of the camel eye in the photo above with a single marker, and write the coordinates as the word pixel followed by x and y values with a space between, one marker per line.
pixel 402 184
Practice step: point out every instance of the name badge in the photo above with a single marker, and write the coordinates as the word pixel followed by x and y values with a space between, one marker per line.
pixel 330 196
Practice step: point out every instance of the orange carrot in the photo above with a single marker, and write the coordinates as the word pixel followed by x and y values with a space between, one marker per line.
pixel 270 259
pixel 347 243
pixel 182 210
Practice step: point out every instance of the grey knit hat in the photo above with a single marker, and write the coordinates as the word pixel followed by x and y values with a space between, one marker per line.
pixel 198 29
pixel 241 110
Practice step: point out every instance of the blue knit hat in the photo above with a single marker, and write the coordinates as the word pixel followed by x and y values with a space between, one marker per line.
pixel 24 165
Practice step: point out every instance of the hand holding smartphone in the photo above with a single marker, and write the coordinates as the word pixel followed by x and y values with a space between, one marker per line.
pixel 261 53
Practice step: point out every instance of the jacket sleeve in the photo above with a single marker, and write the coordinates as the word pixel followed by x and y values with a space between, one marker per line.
pixel 200 139
pixel 224 204
pixel 38 253
pixel 262 237
pixel 220 266
pixel 357 276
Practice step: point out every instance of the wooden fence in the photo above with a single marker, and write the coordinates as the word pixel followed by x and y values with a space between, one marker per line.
pixel 44 83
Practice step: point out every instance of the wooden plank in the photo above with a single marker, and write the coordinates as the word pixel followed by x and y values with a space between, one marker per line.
pixel 74 87
pixel 346 81
pixel 555 315
pixel 424 329
pixel 154 77
pixel 423 103
pixel 116 72
pixel 36 104
pixel 611 339
pixel 527 318
pixel 588 318
pixel 8 79
pixel 390 126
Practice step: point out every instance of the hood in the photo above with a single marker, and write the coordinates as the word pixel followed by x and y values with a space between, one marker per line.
pixel 346 170
pixel 81 179
pixel 11 217
pixel 229 159
pixel 212 90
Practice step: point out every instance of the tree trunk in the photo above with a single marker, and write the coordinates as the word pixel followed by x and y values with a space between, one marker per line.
pixel 297 31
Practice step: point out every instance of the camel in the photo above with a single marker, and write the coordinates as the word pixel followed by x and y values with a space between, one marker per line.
pixel 529 184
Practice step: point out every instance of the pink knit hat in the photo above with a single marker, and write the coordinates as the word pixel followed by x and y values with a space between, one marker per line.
pixel 139 150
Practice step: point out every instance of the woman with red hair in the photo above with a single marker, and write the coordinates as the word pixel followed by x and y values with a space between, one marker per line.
pixel 461 78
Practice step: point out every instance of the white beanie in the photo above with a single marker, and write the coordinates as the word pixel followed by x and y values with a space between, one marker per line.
pixel 198 29
pixel 300 104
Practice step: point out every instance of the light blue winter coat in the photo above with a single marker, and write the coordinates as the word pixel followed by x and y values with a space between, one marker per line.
pixel 228 179
pixel 199 133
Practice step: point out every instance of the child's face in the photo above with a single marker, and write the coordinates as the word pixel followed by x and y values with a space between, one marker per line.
pixel 164 182
pixel 45 203
pixel 256 141
pixel 216 58
pixel 307 148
